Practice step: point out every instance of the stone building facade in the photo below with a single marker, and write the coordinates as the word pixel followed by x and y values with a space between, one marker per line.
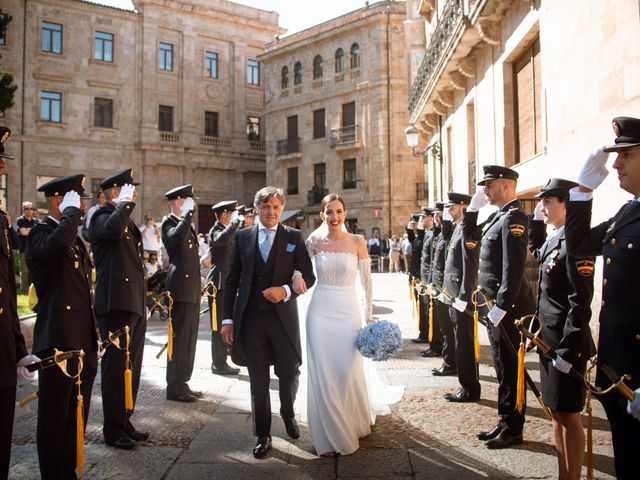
pixel 335 111
pixel 532 85
pixel 170 88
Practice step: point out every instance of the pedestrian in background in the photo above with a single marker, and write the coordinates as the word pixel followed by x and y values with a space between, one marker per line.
pixel 24 224
pixel 395 249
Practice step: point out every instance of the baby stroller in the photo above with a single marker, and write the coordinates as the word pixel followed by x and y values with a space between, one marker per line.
pixel 155 288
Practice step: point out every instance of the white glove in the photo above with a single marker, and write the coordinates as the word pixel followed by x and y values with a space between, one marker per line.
pixel 446 215
pixel 537 212
pixel 633 408
pixel 459 305
pixel 236 216
pixel 477 201
pixel 126 193
pixel 100 352
pixel 594 170
pixel 496 314
pixel 22 373
pixel 421 223
pixel 562 365
pixel 410 226
pixel 187 206
pixel 70 199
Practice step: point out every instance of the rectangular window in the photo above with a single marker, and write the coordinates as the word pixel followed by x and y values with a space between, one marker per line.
pixel 211 124
pixel 211 64
pixel 319 176
pixel 527 103
pixel 103 113
pixel 253 72
pixel 349 114
pixel 51 107
pixel 103 47
pixel 51 37
pixel 318 123
pixel 349 175
pixel 253 128
pixel 165 57
pixel 292 181
pixel 165 118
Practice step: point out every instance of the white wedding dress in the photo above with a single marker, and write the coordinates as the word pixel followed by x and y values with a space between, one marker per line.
pixel 343 391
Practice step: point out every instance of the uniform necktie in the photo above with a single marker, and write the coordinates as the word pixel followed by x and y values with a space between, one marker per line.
pixel 265 246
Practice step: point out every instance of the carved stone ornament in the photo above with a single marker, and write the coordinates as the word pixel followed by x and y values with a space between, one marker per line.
pixel 489 31
pixel 458 81
pixel 446 97
pixel 431 119
pixel 467 67
pixel 439 108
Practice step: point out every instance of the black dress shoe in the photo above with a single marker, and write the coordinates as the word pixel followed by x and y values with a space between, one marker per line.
pixel 444 372
pixel 293 430
pixel 138 436
pixel 225 370
pixel 262 447
pixel 123 443
pixel 196 393
pixel 419 340
pixel 461 396
pixel 504 439
pixel 430 353
pixel 484 436
pixel 185 397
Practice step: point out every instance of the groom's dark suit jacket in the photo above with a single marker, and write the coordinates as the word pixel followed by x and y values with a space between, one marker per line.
pixel 249 275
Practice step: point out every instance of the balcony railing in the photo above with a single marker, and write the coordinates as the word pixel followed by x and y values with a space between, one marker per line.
pixel 170 137
pixel 442 41
pixel 344 136
pixel 215 141
pixel 288 146
pixel 422 192
pixel 316 194
pixel 257 145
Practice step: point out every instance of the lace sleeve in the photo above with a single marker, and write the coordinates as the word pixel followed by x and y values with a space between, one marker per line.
pixel 364 270
pixel 309 244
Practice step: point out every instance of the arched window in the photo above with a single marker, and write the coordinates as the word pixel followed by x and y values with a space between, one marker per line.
pixel 285 77
pixel 355 55
pixel 339 60
pixel 317 67
pixel 297 73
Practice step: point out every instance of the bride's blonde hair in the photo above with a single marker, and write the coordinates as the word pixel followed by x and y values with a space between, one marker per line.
pixel 330 198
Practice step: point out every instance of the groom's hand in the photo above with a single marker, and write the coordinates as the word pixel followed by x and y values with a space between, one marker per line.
pixel 274 294
pixel 226 332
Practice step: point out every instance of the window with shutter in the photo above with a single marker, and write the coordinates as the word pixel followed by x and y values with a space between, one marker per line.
pixel 527 104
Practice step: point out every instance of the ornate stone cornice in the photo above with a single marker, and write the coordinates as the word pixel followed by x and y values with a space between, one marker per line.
pixel 489 31
pixel 446 97
pixel 467 67
pixel 431 119
pixel 458 81
pixel 439 108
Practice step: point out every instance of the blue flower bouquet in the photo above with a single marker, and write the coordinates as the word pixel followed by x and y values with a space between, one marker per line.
pixel 379 341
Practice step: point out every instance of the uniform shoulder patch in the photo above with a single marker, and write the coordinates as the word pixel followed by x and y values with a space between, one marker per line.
pixel 585 267
pixel 517 229
pixel 470 244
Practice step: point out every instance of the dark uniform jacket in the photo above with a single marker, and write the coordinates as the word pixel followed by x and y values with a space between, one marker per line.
pixel 503 254
pixel 439 255
pixel 416 239
pixel 12 347
pixel 181 242
pixel 618 240
pixel 461 269
pixel 220 243
pixel 565 288
pixel 60 269
pixel 428 246
pixel 288 253
pixel 117 251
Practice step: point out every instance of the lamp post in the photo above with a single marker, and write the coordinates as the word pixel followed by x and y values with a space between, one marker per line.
pixel 413 138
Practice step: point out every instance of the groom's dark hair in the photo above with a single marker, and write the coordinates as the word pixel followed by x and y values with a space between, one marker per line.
pixel 264 194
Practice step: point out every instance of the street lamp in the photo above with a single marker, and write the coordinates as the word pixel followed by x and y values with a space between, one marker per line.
pixel 413 137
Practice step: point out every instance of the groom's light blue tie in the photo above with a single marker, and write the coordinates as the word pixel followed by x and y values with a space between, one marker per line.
pixel 265 246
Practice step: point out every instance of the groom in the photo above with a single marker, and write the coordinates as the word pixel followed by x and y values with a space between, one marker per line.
pixel 260 311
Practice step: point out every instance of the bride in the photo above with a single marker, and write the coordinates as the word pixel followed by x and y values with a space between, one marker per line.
pixel 343 392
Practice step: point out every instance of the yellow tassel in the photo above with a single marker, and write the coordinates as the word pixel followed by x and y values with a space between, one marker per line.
pixel 430 319
pixel 418 310
pixel 214 314
pixel 476 338
pixel 79 433
pixel 128 389
pixel 169 339
pixel 520 382
pixel 413 301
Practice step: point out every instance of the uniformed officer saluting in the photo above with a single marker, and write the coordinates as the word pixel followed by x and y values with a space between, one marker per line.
pixel 12 348
pixel 502 261
pixel 565 288
pixel 119 300
pixel 618 240
pixel 183 282
pixel 61 273
pixel 221 238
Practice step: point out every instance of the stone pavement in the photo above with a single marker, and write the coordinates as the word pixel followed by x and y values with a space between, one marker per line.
pixel 424 437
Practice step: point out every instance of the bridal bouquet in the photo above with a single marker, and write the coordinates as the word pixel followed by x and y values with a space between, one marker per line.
pixel 379 340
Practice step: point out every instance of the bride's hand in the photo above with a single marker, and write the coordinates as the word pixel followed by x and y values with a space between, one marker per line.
pixel 298 284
